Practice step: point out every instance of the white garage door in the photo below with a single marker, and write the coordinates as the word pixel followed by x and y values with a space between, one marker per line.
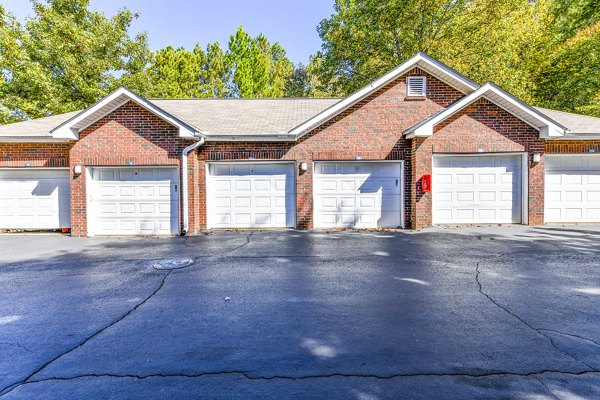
pixel 134 201
pixel 477 189
pixel 572 188
pixel 357 195
pixel 35 199
pixel 251 195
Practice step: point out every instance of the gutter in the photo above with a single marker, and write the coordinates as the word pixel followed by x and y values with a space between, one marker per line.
pixel 184 179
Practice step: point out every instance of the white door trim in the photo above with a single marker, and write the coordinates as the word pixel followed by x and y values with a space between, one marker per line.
pixel 208 183
pixel 89 182
pixel 525 190
pixel 402 181
pixel 524 177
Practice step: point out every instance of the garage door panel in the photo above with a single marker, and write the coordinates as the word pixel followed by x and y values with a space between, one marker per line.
pixel 243 185
pixel 134 201
pixel 258 195
pixel 35 199
pixel 221 185
pixel 573 179
pixel 593 196
pixel 487 197
pixel 357 194
pixel 487 214
pixel 593 214
pixel 477 189
pixel 281 202
pixel 572 191
pixel 262 202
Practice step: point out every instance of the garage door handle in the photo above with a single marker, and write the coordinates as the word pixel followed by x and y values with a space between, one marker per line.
pixel 175 188
pixel 396 182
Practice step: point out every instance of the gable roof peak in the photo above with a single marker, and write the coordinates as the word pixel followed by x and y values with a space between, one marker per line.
pixel 70 128
pixel 422 60
pixel 501 98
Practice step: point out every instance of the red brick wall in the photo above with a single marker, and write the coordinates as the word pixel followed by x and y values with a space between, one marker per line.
pixel 35 154
pixel 572 146
pixel 128 134
pixel 481 127
pixel 371 129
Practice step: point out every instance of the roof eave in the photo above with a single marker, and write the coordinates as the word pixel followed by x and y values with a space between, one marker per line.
pixel 32 139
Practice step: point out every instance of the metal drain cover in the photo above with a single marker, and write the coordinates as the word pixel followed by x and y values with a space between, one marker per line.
pixel 173 264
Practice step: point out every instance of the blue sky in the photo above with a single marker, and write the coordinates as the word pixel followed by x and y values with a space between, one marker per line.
pixel 292 23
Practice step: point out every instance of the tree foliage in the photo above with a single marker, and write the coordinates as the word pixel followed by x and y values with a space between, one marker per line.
pixel 65 57
pixel 258 69
pixel 524 46
pixel 250 67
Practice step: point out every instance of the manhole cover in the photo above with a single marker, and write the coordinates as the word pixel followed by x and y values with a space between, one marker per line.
pixel 173 264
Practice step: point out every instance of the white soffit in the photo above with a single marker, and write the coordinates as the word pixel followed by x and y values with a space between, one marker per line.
pixel 70 129
pixel 421 60
pixel 546 126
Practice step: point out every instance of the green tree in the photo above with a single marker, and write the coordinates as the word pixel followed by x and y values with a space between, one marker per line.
pixel 258 69
pixel 569 80
pixel 66 57
pixel 573 16
pixel 216 71
pixel 10 55
pixel 177 73
pixel 484 39
pixel 304 81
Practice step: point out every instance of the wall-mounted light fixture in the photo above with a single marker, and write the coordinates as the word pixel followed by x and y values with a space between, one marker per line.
pixel 27 164
pixel 591 150
pixel 77 169
pixel 537 157
pixel 304 166
pixel 358 158
pixel 130 163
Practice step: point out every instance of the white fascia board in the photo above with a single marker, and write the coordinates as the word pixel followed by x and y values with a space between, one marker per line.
pixel 70 129
pixel 376 85
pixel 32 139
pixel 260 137
pixel 546 127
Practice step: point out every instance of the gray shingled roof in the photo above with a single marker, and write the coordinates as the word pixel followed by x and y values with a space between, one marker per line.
pixel 35 127
pixel 255 116
pixel 245 116
pixel 218 116
pixel 574 122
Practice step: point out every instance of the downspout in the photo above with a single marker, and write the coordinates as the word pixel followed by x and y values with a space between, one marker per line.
pixel 184 180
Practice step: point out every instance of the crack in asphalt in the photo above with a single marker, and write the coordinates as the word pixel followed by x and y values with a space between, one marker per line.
pixel 12 386
pixel 570 335
pixel 527 324
pixel 249 376
pixel 222 253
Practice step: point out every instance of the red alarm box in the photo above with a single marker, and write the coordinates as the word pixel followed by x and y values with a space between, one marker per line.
pixel 426 183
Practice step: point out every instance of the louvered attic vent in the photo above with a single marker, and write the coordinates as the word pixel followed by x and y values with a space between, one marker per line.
pixel 416 86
